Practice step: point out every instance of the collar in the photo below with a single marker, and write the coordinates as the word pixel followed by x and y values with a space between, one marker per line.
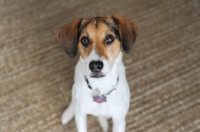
pixel 90 87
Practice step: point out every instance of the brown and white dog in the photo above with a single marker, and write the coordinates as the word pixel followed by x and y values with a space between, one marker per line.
pixel 100 86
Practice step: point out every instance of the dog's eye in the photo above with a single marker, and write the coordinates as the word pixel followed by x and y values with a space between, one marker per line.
pixel 85 41
pixel 109 39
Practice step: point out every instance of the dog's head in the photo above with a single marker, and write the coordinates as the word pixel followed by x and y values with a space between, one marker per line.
pixel 99 40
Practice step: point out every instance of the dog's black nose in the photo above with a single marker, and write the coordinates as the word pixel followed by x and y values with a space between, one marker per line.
pixel 96 66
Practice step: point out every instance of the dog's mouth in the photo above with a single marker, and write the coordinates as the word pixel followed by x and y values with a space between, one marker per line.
pixel 97 75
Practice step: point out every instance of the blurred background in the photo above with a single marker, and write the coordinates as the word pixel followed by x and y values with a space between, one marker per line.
pixel 163 70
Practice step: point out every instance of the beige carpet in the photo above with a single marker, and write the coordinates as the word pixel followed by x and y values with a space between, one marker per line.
pixel 163 71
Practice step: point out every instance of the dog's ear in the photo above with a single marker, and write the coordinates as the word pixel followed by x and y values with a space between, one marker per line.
pixel 68 37
pixel 128 32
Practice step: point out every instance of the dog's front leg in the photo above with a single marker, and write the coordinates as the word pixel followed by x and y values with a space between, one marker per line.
pixel 119 125
pixel 81 121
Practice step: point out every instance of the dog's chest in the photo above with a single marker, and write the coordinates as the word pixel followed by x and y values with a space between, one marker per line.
pixel 104 109
pixel 117 101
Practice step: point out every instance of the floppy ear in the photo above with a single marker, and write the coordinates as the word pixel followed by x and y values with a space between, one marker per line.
pixel 128 32
pixel 68 37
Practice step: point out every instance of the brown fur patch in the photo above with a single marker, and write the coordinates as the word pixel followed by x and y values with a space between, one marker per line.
pixel 128 32
pixel 67 36
pixel 89 31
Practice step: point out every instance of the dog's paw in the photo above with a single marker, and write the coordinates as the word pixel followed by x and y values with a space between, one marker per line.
pixel 64 120
pixel 66 116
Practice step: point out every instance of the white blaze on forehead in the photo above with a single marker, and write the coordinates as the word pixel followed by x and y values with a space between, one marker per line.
pixel 95 22
pixel 93 56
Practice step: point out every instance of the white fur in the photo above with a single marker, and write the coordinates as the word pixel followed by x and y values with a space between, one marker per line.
pixel 117 104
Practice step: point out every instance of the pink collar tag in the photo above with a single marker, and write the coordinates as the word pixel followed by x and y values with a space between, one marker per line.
pixel 99 99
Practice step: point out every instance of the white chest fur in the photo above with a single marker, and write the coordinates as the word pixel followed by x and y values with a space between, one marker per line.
pixel 117 101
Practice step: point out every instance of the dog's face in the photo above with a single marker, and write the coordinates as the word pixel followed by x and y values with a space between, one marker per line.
pixel 99 41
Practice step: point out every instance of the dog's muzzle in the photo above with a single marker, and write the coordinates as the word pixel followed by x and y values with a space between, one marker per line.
pixel 96 67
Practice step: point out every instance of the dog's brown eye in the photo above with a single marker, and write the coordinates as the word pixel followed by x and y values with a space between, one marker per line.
pixel 109 39
pixel 85 41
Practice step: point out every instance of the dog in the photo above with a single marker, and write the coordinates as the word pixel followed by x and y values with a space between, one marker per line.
pixel 100 87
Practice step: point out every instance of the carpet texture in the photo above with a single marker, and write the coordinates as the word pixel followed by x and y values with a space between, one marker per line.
pixel 163 70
